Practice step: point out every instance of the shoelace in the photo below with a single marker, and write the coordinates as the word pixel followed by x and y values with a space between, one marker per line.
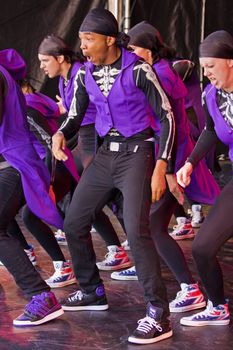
pixel 35 305
pixel 147 323
pixel 109 257
pixel 76 296
pixel 209 309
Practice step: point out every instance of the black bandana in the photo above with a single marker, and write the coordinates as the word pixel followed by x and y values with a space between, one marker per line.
pixel 218 44
pixel 145 35
pixel 52 45
pixel 100 21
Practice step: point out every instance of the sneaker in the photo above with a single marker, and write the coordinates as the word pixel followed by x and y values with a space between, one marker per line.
pixel 197 217
pixel 183 229
pixel 42 308
pixel 125 245
pixel 115 259
pixel 151 328
pixel 125 275
pixel 80 300
pixel 31 254
pixel 211 316
pixel 60 237
pixel 189 298
pixel 63 275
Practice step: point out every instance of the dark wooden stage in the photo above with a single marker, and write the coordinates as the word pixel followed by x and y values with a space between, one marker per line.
pixel 105 330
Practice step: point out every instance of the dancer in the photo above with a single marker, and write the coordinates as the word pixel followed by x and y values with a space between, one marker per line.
pixel 216 57
pixel 22 175
pixel 116 80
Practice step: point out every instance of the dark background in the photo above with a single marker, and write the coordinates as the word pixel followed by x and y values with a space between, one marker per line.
pixel 24 23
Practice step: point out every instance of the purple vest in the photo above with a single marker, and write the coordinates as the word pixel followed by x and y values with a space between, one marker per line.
pixel 126 107
pixel 49 109
pixel 16 146
pixel 67 93
pixel 223 130
pixel 203 187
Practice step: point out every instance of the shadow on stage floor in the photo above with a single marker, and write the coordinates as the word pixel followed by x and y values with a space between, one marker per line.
pixel 105 330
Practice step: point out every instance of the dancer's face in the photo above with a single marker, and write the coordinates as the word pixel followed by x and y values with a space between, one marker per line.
pixel 219 71
pixel 51 65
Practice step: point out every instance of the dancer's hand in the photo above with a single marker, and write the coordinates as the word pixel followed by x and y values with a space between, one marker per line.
pixel 60 105
pixel 58 146
pixel 175 189
pixel 184 174
pixel 158 182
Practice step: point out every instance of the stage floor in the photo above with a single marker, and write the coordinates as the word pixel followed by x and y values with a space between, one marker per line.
pixel 105 330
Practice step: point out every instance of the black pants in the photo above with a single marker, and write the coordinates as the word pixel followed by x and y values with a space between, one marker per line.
pixel 11 252
pixel 131 173
pixel 168 248
pixel 214 232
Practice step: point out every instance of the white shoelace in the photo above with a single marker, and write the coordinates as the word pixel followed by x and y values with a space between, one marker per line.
pixel 147 323
pixel 76 296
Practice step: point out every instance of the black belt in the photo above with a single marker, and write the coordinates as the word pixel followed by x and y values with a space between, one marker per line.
pixel 126 146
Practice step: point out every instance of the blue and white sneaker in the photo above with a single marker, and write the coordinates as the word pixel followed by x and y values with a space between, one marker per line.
pixel 63 275
pixel 189 298
pixel 60 237
pixel 125 275
pixel 211 316
pixel 42 308
pixel 115 259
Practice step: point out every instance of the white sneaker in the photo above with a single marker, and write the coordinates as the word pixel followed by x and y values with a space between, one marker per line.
pixel 115 259
pixel 60 237
pixel 183 229
pixel 211 316
pixel 189 298
pixel 197 216
pixel 125 275
pixel 63 275
pixel 125 245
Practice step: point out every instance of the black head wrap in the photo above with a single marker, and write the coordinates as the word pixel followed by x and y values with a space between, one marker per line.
pixel 54 46
pixel 218 44
pixel 103 22
pixel 145 35
pixel 148 37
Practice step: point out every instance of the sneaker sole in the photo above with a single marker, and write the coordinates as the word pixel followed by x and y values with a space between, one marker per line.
pixel 179 238
pixel 187 308
pixel 134 340
pixel 61 284
pixel 124 278
pixel 115 268
pixel 185 322
pixel 86 308
pixel 43 320
pixel 62 243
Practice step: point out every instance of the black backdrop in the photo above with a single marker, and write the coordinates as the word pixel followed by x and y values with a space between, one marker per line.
pixel 24 23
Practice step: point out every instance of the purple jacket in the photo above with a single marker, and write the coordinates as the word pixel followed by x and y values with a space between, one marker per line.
pixel 124 99
pixel 203 187
pixel 67 93
pixel 16 142
pixel 49 109
pixel 223 130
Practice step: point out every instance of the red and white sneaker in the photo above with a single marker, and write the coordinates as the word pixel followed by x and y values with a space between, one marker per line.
pixel 63 275
pixel 211 316
pixel 189 298
pixel 183 229
pixel 115 259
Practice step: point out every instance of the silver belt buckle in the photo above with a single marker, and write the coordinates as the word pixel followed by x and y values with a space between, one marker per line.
pixel 114 146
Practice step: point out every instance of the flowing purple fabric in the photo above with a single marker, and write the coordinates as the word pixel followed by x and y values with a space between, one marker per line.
pixel 16 143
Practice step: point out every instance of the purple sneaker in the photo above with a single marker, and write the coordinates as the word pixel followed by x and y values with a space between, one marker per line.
pixel 42 308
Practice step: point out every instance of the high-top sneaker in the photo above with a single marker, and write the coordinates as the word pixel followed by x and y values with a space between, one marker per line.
pixel 115 259
pixel 152 328
pixel 63 275
pixel 197 216
pixel 183 229
pixel 60 237
pixel 125 245
pixel 42 308
pixel 80 300
pixel 189 298
pixel 211 316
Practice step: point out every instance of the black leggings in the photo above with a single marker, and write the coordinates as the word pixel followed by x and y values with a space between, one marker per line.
pixel 169 250
pixel 214 232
